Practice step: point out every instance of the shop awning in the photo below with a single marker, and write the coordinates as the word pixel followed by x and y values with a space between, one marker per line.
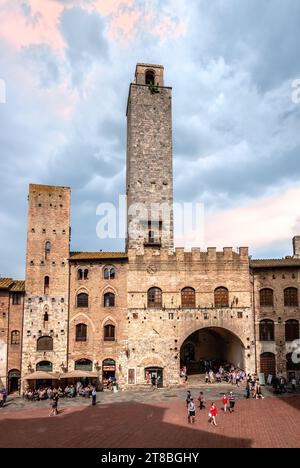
pixel 77 374
pixel 41 375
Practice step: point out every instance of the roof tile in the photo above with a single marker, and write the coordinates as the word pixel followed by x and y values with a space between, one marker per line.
pixel 97 255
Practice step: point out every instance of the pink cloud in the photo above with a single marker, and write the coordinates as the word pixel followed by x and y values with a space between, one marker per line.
pixel 109 7
pixel 124 25
pixel 257 224
pixel 42 27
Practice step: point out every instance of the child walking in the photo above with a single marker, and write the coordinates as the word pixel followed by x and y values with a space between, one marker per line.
pixel 225 402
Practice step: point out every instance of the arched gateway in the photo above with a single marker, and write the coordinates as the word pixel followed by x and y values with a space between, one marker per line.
pixel 212 347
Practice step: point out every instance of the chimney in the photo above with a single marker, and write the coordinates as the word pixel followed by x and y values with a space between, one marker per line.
pixel 296 247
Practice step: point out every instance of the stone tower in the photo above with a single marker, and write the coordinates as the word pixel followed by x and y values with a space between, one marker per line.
pixel 45 326
pixel 149 160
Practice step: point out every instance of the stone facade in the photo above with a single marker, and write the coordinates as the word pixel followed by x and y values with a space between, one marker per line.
pixel 148 309
pixel 276 276
pixel 96 347
pixel 47 279
pixel 158 334
pixel 11 317
pixel 149 161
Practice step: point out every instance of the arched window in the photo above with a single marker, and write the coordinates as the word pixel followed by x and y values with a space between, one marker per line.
pixel 109 332
pixel 44 366
pixel 47 249
pixel 82 300
pixel 266 298
pixel 84 365
pixel 15 337
pixel 188 298
pixel 81 332
pixel 155 298
pixel 46 285
pixel 109 272
pixel 45 343
pixel 82 274
pixel 291 297
pixel 221 297
pixel 109 300
pixel 150 77
pixel 291 330
pixel 266 330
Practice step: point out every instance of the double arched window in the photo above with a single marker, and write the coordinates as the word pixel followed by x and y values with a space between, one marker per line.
pixel 188 298
pixel 82 300
pixel 221 297
pixel 155 298
pixel 82 274
pixel 266 297
pixel 81 332
pixel 45 343
pixel 291 297
pixel 109 272
pixel 266 330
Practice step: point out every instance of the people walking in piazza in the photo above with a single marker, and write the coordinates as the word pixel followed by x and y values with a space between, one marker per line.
pixel 188 398
pixel 1 400
pixel 213 414
pixel 201 400
pixel 94 396
pixel 225 402
pixel 191 411
pixel 54 404
pixel 232 399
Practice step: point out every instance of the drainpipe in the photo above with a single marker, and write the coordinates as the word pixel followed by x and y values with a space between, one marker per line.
pixel 254 319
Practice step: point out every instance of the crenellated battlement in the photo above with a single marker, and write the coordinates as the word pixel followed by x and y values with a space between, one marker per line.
pixel 211 255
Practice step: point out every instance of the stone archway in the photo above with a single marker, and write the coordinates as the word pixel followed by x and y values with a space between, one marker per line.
pixel 212 347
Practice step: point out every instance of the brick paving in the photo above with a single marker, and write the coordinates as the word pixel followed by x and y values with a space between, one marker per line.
pixel 158 422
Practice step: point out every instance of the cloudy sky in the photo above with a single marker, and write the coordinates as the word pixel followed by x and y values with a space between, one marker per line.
pixel 67 65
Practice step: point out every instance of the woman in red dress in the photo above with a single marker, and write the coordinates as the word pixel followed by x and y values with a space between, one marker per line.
pixel 213 414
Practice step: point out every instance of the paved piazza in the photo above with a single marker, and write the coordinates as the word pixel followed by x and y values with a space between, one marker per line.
pixel 152 419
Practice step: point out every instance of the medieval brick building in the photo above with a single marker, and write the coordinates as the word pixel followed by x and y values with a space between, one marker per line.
pixel 152 308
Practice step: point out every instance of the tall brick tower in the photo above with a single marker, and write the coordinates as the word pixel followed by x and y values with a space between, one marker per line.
pixel 47 280
pixel 149 160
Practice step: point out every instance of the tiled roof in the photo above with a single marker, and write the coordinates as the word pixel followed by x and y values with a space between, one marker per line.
pixel 97 255
pixel 275 263
pixel 14 286
pixel 18 286
pixel 5 283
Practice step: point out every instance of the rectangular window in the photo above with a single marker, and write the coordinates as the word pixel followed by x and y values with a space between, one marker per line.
pixel 240 315
pixel 131 376
pixel 16 299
